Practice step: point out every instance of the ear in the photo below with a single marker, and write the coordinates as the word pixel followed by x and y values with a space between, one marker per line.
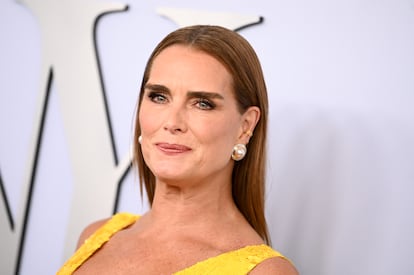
pixel 248 123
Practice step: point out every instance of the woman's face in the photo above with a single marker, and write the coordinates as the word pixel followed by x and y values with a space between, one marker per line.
pixel 189 117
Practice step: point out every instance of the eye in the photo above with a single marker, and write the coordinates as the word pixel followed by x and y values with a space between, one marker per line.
pixel 157 97
pixel 205 104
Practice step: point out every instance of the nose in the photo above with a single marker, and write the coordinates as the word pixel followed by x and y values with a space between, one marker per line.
pixel 176 120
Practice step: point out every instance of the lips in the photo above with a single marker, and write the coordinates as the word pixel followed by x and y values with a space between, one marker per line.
pixel 173 148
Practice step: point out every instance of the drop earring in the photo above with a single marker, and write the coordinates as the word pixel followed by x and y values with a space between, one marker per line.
pixel 140 139
pixel 239 151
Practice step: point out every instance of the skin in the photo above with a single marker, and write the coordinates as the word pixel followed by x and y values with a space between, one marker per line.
pixel 190 123
pixel 192 107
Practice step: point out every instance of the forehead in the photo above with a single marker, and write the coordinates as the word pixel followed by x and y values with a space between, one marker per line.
pixel 185 63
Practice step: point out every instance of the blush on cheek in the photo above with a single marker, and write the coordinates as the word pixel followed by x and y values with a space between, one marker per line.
pixel 150 118
pixel 146 123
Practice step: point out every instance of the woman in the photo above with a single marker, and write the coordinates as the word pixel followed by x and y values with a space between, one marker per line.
pixel 202 97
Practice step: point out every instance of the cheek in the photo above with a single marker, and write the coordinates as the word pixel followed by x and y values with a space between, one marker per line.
pixel 217 146
pixel 146 119
pixel 220 133
pixel 144 123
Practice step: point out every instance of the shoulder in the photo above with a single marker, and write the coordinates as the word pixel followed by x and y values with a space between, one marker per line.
pixel 90 229
pixel 276 266
pixel 113 224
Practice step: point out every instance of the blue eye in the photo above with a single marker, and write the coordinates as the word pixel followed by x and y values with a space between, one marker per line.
pixel 157 97
pixel 205 104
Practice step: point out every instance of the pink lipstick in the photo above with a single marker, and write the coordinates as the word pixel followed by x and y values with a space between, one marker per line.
pixel 173 148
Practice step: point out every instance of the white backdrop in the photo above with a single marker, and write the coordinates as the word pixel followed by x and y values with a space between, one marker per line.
pixel 340 77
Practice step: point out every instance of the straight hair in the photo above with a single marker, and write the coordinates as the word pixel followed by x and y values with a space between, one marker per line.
pixel 240 59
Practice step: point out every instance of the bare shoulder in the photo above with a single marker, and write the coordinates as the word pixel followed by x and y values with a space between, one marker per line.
pixel 89 230
pixel 276 266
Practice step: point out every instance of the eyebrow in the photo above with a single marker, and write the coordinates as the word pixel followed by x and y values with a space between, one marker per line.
pixel 156 88
pixel 190 94
pixel 201 94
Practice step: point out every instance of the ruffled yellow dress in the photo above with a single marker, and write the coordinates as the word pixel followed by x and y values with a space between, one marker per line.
pixel 240 261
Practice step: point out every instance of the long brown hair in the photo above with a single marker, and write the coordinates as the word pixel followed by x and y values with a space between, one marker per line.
pixel 236 54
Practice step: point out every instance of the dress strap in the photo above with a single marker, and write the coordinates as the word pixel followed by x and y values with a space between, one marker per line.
pixel 240 261
pixel 97 240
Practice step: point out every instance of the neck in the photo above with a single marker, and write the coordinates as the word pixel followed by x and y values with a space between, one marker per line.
pixel 192 205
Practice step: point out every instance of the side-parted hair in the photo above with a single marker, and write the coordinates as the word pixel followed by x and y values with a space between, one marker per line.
pixel 240 59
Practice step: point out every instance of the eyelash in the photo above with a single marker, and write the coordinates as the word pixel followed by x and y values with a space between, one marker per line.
pixel 200 101
pixel 155 97
pixel 160 98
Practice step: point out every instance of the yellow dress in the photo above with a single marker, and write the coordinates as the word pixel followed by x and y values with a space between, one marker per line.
pixel 240 261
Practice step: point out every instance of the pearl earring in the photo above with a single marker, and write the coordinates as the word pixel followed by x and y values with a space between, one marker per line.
pixel 140 139
pixel 239 151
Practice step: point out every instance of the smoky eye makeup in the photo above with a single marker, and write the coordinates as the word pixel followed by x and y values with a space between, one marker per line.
pixel 157 93
pixel 202 100
pixel 157 97
pixel 205 100
pixel 205 104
